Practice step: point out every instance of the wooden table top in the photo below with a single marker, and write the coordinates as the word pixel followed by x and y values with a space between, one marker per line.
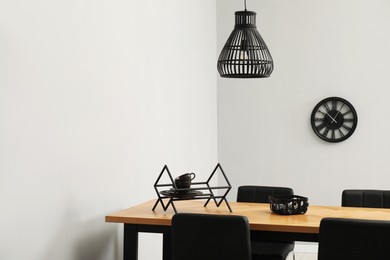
pixel 259 215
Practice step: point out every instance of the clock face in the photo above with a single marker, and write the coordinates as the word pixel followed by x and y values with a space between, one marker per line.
pixel 334 119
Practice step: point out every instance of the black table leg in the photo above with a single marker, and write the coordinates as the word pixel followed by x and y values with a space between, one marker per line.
pixel 130 242
pixel 167 246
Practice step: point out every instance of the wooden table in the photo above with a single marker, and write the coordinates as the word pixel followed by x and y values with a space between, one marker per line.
pixel 263 222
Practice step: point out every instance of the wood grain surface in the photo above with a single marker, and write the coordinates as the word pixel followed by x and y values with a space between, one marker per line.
pixel 259 215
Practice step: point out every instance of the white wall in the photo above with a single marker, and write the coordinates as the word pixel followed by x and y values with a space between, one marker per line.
pixel 320 49
pixel 95 97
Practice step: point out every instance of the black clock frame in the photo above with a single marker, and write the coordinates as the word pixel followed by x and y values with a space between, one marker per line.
pixel 333 119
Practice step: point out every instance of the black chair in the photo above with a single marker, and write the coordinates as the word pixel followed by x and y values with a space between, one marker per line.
pixel 262 249
pixel 366 198
pixel 353 239
pixel 210 237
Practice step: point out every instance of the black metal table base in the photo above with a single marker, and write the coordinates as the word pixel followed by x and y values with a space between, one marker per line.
pixel 130 247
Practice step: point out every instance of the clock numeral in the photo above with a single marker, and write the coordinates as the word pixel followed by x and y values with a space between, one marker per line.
pixel 317 119
pixel 341 133
pixel 333 134
pixel 320 127
pixel 326 107
pixel 346 127
pixel 334 105
pixel 325 133
pixel 319 111
pixel 346 113
pixel 349 120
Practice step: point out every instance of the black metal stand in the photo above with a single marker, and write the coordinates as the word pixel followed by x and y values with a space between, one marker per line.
pixel 177 194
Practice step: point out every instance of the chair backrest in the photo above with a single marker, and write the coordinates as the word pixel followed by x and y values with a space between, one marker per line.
pixel 353 239
pixel 260 194
pixel 366 198
pixel 210 237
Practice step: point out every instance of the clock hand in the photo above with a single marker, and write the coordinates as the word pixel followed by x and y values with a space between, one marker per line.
pixel 333 120
pixel 339 111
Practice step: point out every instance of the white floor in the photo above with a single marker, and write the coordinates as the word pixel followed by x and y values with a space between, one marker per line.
pixel 304 251
pixel 303 256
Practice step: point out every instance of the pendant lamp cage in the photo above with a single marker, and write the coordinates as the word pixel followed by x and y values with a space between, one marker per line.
pixel 245 54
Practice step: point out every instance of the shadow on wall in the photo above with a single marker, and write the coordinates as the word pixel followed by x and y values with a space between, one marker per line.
pixel 91 240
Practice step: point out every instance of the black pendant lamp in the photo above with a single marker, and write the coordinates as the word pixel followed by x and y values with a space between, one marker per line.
pixel 245 54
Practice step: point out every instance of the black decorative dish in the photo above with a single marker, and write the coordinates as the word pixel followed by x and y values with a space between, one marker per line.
pixel 288 205
pixel 186 194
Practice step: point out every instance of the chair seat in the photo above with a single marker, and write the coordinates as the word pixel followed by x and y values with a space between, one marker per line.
pixel 262 250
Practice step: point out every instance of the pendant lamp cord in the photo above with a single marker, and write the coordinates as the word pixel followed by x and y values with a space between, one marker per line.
pixel 245 4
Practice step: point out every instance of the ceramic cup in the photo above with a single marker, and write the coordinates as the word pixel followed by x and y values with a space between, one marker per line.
pixel 184 180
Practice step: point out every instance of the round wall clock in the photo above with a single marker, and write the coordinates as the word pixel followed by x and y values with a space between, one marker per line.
pixel 334 119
